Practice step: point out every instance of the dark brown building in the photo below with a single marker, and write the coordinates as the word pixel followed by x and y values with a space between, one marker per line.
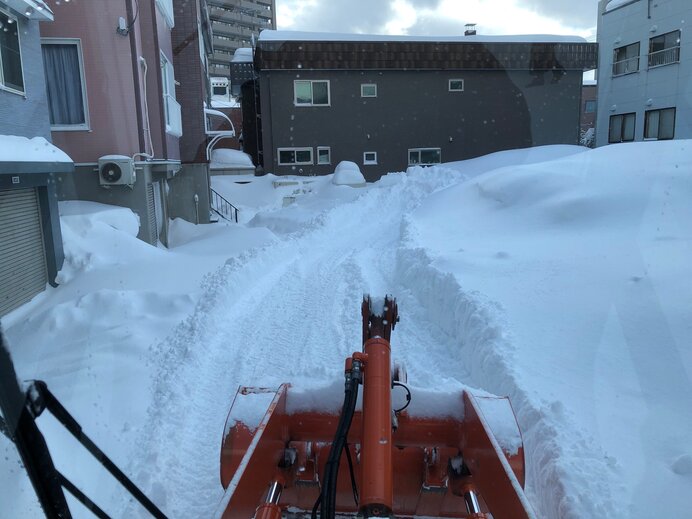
pixel 387 103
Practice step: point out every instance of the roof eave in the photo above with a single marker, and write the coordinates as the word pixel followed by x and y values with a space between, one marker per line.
pixel 31 9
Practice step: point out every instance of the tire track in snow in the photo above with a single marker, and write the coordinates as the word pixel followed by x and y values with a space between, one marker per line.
pixel 290 311
pixel 287 311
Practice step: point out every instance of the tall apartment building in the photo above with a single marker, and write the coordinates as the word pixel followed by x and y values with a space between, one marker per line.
pixel 645 71
pixel 234 23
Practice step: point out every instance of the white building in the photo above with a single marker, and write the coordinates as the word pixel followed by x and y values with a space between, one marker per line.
pixel 645 70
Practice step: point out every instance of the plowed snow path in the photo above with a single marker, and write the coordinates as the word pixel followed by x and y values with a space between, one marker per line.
pixel 290 312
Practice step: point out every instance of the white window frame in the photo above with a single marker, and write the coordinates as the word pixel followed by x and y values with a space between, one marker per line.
pixel 367 162
pixel 362 89
pixel 449 85
pixel 295 149
pixel 166 7
pixel 171 107
pixel 21 59
pixel 86 126
pixel 419 150
pixel 329 155
pixel 311 81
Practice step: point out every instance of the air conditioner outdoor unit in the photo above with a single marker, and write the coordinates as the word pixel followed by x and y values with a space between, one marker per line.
pixel 117 170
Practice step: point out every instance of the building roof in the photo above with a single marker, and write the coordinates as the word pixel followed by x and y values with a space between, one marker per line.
pixel 271 35
pixel 288 50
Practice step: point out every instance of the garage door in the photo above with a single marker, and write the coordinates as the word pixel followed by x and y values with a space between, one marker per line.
pixel 22 257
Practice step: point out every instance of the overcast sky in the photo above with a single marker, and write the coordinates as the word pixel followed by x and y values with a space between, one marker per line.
pixel 440 17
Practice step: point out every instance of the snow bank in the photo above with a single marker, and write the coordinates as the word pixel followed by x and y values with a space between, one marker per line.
pixel 37 149
pixel 589 257
pixel 525 156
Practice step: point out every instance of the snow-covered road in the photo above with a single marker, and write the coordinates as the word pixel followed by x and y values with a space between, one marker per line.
pixel 560 281
pixel 289 312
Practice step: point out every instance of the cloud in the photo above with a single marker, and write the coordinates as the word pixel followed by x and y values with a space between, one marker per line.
pixel 439 17
pixel 580 14
pixel 347 16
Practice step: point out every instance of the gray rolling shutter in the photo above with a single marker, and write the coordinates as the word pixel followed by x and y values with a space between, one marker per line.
pixel 23 271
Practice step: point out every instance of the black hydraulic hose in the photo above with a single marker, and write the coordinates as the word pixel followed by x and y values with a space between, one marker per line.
pixel 332 468
pixel 341 444
pixel 327 497
pixel 354 486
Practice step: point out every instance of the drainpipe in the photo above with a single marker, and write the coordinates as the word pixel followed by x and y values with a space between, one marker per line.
pixel 196 209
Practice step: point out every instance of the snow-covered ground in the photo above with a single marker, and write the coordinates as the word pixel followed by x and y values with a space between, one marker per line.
pixel 559 276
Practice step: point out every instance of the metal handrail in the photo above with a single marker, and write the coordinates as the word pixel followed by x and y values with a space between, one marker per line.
pixel 223 207
pixel 664 57
pixel 626 66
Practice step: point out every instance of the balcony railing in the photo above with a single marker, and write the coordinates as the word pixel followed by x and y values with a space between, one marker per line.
pixel 626 66
pixel 174 119
pixel 664 57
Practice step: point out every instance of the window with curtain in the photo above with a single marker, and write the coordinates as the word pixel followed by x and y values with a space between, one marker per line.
pixel 66 99
pixel 11 75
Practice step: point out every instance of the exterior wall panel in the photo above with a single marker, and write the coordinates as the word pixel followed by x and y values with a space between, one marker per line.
pixel 109 79
pixel 414 109
pixel 27 115
pixel 648 88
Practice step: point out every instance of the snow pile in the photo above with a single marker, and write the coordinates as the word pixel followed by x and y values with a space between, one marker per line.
pixel 97 236
pixel 20 149
pixel 347 173
pixel 589 258
pixel 227 158
pixel 511 158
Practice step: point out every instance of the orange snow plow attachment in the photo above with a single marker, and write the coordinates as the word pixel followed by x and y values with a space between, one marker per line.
pixel 374 462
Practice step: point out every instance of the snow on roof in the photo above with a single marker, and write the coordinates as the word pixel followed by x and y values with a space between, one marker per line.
pixel 220 101
pixel 242 55
pixel 20 149
pixel 272 35
pixel 221 157
pixel 614 4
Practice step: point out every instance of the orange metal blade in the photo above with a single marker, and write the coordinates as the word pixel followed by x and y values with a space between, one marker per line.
pixel 259 464
pixel 491 471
